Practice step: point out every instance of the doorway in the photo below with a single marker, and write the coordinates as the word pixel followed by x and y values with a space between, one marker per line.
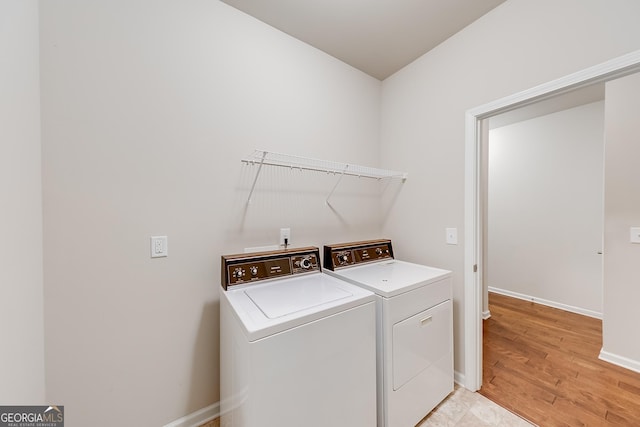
pixel 475 125
pixel 544 204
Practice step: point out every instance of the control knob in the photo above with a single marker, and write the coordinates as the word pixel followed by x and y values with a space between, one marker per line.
pixel 378 251
pixel 305 263
pixel 254 270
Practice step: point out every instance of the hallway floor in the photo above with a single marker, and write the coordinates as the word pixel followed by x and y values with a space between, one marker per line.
pixel 542 363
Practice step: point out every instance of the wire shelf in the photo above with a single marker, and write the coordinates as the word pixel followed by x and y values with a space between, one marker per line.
pixel 261 158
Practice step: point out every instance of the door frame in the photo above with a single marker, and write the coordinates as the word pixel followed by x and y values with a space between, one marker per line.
pixel 473 254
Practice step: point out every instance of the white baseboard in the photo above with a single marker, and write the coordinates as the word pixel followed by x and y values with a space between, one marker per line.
pixel 197 418
pixel 458 378
pixel 625 362
pixel 486 315
pixel 561 306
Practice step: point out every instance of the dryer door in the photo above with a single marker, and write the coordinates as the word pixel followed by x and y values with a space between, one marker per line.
pixel 420 341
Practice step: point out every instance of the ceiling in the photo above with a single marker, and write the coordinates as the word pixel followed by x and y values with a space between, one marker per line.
pixel 378 37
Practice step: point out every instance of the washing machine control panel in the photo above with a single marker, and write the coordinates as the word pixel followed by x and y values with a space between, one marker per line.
pixel 349 254
pixel 255 267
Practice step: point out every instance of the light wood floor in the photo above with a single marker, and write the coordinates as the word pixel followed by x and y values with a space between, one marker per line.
pixel 542 363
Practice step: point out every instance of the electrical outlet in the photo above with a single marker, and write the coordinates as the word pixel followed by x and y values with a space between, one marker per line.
pixel 285 233
pixel 159 246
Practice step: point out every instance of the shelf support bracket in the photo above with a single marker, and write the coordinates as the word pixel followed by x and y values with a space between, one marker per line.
pixel 255 180
pixel 336 185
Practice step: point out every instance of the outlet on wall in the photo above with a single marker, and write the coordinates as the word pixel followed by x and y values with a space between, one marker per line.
pixel 285 233
pixel 159 246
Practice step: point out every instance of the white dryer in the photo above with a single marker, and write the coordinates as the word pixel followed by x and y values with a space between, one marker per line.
pixel 297 347
pixel 414 327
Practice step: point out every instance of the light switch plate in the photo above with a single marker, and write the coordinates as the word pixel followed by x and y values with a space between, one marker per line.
pixel 634 235
pixel 452 236
pixel 159 246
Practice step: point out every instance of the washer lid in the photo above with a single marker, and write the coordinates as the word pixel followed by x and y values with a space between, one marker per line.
pixel 391 278
pixel 289 297
pixel 275 306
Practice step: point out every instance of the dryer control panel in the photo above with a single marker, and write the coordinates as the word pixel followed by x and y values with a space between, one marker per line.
pixel 241 269
pixel 349 254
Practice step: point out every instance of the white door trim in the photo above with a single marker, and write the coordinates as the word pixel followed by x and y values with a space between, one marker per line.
pixel 473 293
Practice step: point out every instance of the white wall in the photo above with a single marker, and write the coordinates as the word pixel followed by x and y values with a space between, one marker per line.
pixel 545 208
pixel 21 318
pixel 148 106
pixel 147 109
pixel 516 46
pixel 622 211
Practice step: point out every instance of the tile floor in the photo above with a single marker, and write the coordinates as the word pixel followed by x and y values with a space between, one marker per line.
pixel 461 408
pixel 464 408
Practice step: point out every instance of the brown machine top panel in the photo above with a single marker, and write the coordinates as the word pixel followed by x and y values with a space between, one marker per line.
pixel 246 268
pixel 348 254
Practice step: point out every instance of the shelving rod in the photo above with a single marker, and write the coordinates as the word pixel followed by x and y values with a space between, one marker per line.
pixel 255 180
pixel 319 169
pixel 336 185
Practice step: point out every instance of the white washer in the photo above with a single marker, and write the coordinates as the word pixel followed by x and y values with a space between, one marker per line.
pixel 414 327
pixel 297 347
